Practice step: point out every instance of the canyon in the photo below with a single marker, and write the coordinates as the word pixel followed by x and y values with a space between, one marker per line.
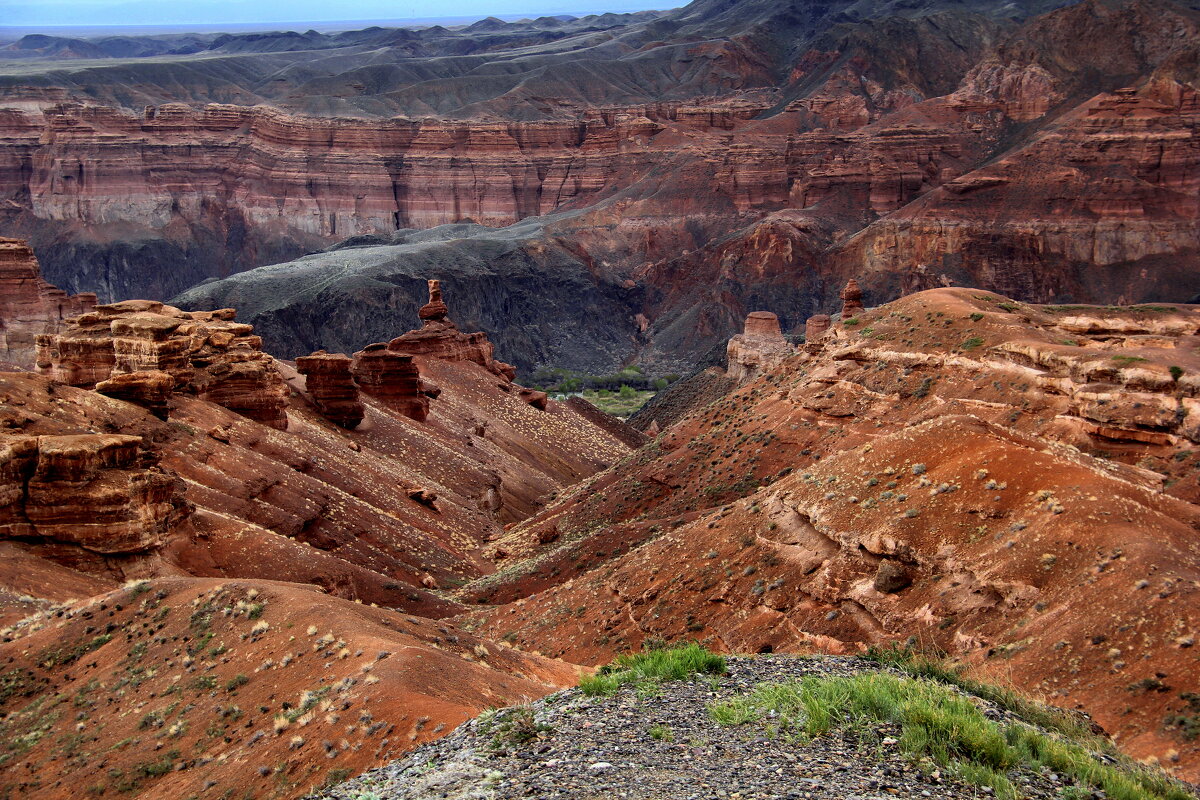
pixel 793 148
pixel 280 498
pixel 177 508
pixel 300 573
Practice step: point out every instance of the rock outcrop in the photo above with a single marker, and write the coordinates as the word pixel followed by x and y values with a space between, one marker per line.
pixel 852 303
pixel 29 306
pixel 103 493
pixel 206 353
pixel 974 471
pixel 760 347
pixel 330 383
pixel 151 389
pixel 392 378
pixel 816 326
pixel 438 337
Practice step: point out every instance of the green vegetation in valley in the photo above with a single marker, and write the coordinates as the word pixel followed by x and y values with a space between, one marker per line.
pixel 565 381
pixel 623 403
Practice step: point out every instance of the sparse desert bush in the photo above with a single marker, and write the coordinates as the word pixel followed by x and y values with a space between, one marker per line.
pixel 511 727
pixel 660 732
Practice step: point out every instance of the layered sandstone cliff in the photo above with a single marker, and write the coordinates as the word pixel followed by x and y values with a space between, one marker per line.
pixel 103 493
pixel 907 151
pixel 207 354
pixel 29 306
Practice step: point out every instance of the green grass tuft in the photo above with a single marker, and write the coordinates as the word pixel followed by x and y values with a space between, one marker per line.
pixel 922 665
pixel 651 667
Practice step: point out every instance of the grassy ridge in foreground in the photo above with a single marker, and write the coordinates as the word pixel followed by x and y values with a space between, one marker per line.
pixel 942 724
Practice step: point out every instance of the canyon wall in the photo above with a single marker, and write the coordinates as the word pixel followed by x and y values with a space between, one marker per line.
pixel 30 307
pixel 908 152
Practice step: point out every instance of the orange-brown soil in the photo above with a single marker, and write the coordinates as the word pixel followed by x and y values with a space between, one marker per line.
pixel 182 687
pixel 1013 484
pixel 212 589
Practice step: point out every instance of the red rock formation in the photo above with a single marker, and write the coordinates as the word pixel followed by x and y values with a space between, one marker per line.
pixel 538 400
pixel 330 383
pixel 435 310
pixel 28 305
pixel 851 300
pixel 816 326
pixel 205 352
pixel 392 378
pixel 758 349
pixel 762 324
pixel 151 389
pixel 99 492
pixel 438 337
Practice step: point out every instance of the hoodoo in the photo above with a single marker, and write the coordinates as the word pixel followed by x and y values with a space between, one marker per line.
pixel 816 326
pixel 439 337
pixel 760 347
pixel 851 300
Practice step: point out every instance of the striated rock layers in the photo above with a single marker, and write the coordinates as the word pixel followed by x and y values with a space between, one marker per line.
pixel 907 150
pixel 205 353
pixel 103 493
pixel 28 305
pixel 392 378
pixel 758 348
pixel 331 384
pixel 387 372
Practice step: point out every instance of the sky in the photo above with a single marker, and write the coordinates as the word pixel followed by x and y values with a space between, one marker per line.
pixel 123 13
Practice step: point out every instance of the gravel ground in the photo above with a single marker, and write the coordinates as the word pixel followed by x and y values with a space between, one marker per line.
pixel 600 748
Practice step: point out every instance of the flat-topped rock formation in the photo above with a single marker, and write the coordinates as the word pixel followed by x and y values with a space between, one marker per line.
pixel 758 348
pixel 206 353
pixel 29 306
pixel 392 378
pixel 331 383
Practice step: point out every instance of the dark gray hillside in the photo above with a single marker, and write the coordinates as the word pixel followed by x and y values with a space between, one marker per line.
pixel 539 306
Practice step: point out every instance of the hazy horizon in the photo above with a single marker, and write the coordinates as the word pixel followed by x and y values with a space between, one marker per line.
pixel 29 16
